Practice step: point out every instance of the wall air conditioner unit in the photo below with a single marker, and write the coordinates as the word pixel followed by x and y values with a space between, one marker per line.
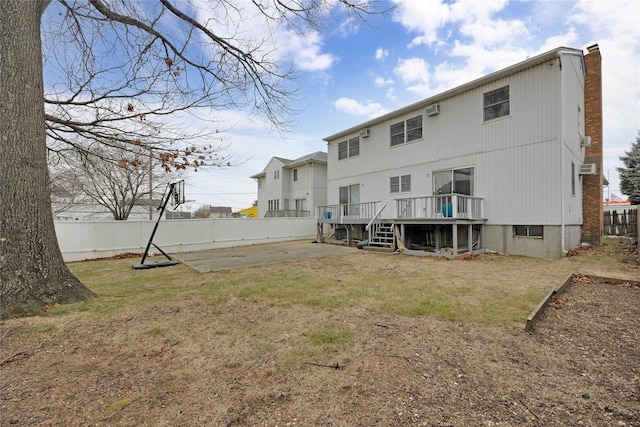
pixel 588 169
pixel 364 133
pixel 433 109
pixel 585 141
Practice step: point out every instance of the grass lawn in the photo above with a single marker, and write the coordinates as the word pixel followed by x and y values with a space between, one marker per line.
pixel 489 289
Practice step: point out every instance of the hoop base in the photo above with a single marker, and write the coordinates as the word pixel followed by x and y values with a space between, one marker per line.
pixel 167 263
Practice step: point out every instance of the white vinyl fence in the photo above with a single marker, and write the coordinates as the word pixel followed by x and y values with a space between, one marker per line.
pixel 89 240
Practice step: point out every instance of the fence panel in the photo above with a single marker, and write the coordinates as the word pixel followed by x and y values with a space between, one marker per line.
pixel 80 240
pixel 624 223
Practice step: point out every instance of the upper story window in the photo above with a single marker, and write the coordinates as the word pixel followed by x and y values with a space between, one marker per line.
pixel 496 103
pixel 295 174
pixel 276 174
pixel 406 131
pixel 349 148
pixel 400 184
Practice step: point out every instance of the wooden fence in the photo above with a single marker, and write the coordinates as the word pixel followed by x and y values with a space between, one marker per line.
pixel 624 223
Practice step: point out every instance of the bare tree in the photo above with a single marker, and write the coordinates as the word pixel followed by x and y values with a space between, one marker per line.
pixel 115 178
pixel 66 191
pixel 203 211
pixel 115 71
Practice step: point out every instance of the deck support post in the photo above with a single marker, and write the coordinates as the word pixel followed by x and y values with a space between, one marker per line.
pixel 454 230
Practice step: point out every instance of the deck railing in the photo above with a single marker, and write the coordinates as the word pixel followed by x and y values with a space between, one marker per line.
pixel 347 212
pixel 444 206
pixel 287 213
pixel 440 206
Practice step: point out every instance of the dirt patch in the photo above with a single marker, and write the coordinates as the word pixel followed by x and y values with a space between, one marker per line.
pixel 194 363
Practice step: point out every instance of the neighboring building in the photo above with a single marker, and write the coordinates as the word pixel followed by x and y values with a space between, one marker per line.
pixel 220 212
pixel 171 214
pixel 510 162
pixel 251 212
pixel 292 187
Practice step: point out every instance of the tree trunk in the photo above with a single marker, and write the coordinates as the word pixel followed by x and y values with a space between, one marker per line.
pixel 32 270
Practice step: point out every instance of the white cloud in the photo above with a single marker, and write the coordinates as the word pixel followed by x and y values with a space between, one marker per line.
pixel 356 108
pixel 424 17
pixel 381 54
pixel 566 39
pixel 381 82
pixel 487 32
pixel 391 95
pixel 306 51
pixel 251 29
pixel 414 72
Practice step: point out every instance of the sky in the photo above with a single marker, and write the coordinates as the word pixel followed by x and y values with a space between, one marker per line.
pixel 351 71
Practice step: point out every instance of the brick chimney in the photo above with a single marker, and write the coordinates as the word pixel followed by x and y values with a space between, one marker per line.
pixel 592 185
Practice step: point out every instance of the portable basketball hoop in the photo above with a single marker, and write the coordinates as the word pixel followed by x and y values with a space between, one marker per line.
pixel 173 195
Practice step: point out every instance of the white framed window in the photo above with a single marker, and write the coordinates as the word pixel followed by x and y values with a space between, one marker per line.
pixel 349 148
pixel 406 131
pixel 274 204
pixel 276 174
pixel 496 103
pixel 400 184
pixel 449 181
pixel 295 174
pixel 533 231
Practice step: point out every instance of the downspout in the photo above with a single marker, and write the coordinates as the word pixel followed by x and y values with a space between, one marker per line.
pixel 311 189
pixel 562 183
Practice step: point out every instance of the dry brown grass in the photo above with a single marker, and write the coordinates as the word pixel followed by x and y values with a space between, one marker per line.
pixel 365 339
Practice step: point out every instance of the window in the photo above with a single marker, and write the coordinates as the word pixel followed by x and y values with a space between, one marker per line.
pixel 459 181
pixel 349 148
pixel 295 174
pixel 573 179
pixel 397 134
pixel 496 103
pixel 400 184
pixel 343 150
pixel 412 128
pixel 301 204
pixel 274 205
pixel 394 184
pixel 534 231
pixel 354 147
pixel 276 174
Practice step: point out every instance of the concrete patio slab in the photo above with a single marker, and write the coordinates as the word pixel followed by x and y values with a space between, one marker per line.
pixel 269 253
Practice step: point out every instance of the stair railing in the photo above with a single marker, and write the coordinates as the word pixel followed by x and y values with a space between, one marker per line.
pixel 375 217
